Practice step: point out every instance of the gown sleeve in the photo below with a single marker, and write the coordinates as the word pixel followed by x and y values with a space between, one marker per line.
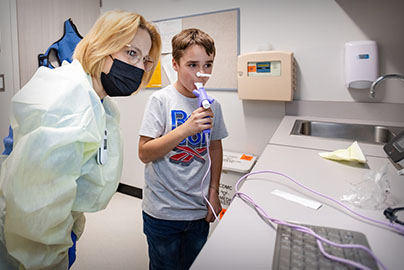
pixel 53 138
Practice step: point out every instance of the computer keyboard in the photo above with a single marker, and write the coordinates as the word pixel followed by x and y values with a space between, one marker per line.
pixel 299 250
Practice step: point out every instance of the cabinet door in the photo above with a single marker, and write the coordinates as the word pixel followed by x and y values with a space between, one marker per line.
pixel 40 23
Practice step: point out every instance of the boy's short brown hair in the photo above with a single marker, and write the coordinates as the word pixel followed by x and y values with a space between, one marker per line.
pixel 189 37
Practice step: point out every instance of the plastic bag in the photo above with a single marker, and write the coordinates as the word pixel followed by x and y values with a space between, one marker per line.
pixel 372 192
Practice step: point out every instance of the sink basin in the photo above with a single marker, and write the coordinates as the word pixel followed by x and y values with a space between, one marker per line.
pixel 375 134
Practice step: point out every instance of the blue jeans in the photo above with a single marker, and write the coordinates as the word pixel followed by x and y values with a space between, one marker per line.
pixel 174 244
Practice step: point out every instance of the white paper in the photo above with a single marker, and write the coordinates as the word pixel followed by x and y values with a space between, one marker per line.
pixel 166 63
pixel 297 199
pixel 168 29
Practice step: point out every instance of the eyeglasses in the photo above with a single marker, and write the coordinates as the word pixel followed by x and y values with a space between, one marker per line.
pixel 135 55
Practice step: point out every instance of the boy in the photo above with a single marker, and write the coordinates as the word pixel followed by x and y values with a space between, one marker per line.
pixel 173 146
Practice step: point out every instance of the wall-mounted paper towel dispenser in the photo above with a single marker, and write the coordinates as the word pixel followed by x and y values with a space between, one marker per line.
pixel 266 75
pixel 361 64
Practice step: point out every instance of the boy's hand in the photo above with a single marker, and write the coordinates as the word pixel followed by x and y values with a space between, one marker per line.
pixel 213 198
pixel 151 149
pixel 199 120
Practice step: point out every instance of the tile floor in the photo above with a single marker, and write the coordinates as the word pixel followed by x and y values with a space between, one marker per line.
pixel 113 238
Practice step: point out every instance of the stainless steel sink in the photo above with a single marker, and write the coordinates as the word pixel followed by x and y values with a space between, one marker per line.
pixel 376 134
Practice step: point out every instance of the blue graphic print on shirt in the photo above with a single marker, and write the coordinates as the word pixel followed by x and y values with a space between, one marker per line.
pixel 191 148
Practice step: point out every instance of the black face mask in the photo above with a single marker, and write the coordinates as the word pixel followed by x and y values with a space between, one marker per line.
pixel 122 80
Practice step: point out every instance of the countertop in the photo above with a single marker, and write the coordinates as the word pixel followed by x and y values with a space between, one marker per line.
pixel 242 240
pixel 282 136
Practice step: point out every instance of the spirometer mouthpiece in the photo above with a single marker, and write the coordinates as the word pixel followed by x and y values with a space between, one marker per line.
pixel 204 99
pixel 198 74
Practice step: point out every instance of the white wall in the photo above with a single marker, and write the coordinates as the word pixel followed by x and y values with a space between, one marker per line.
pixel 315 30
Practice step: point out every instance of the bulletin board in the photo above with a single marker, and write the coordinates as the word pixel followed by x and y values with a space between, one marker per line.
pixel 224 27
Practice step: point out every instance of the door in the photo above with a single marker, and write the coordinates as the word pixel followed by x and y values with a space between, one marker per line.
pixel 40 23
pixel 9 80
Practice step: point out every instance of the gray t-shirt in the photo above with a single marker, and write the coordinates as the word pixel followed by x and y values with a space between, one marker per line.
pixel 173 183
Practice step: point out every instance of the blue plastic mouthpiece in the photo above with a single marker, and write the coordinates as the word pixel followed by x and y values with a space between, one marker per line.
pixel 204 100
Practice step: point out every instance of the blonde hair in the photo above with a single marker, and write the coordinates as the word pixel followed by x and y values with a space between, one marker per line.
pixel 110 33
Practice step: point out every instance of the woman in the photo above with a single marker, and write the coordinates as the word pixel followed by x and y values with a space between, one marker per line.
pixel 67 151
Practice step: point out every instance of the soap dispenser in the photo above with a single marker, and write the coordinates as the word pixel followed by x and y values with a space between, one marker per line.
pixel 361 64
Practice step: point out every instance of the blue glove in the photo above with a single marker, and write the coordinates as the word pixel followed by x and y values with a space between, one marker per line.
pixel 8 142
pixel 72 250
